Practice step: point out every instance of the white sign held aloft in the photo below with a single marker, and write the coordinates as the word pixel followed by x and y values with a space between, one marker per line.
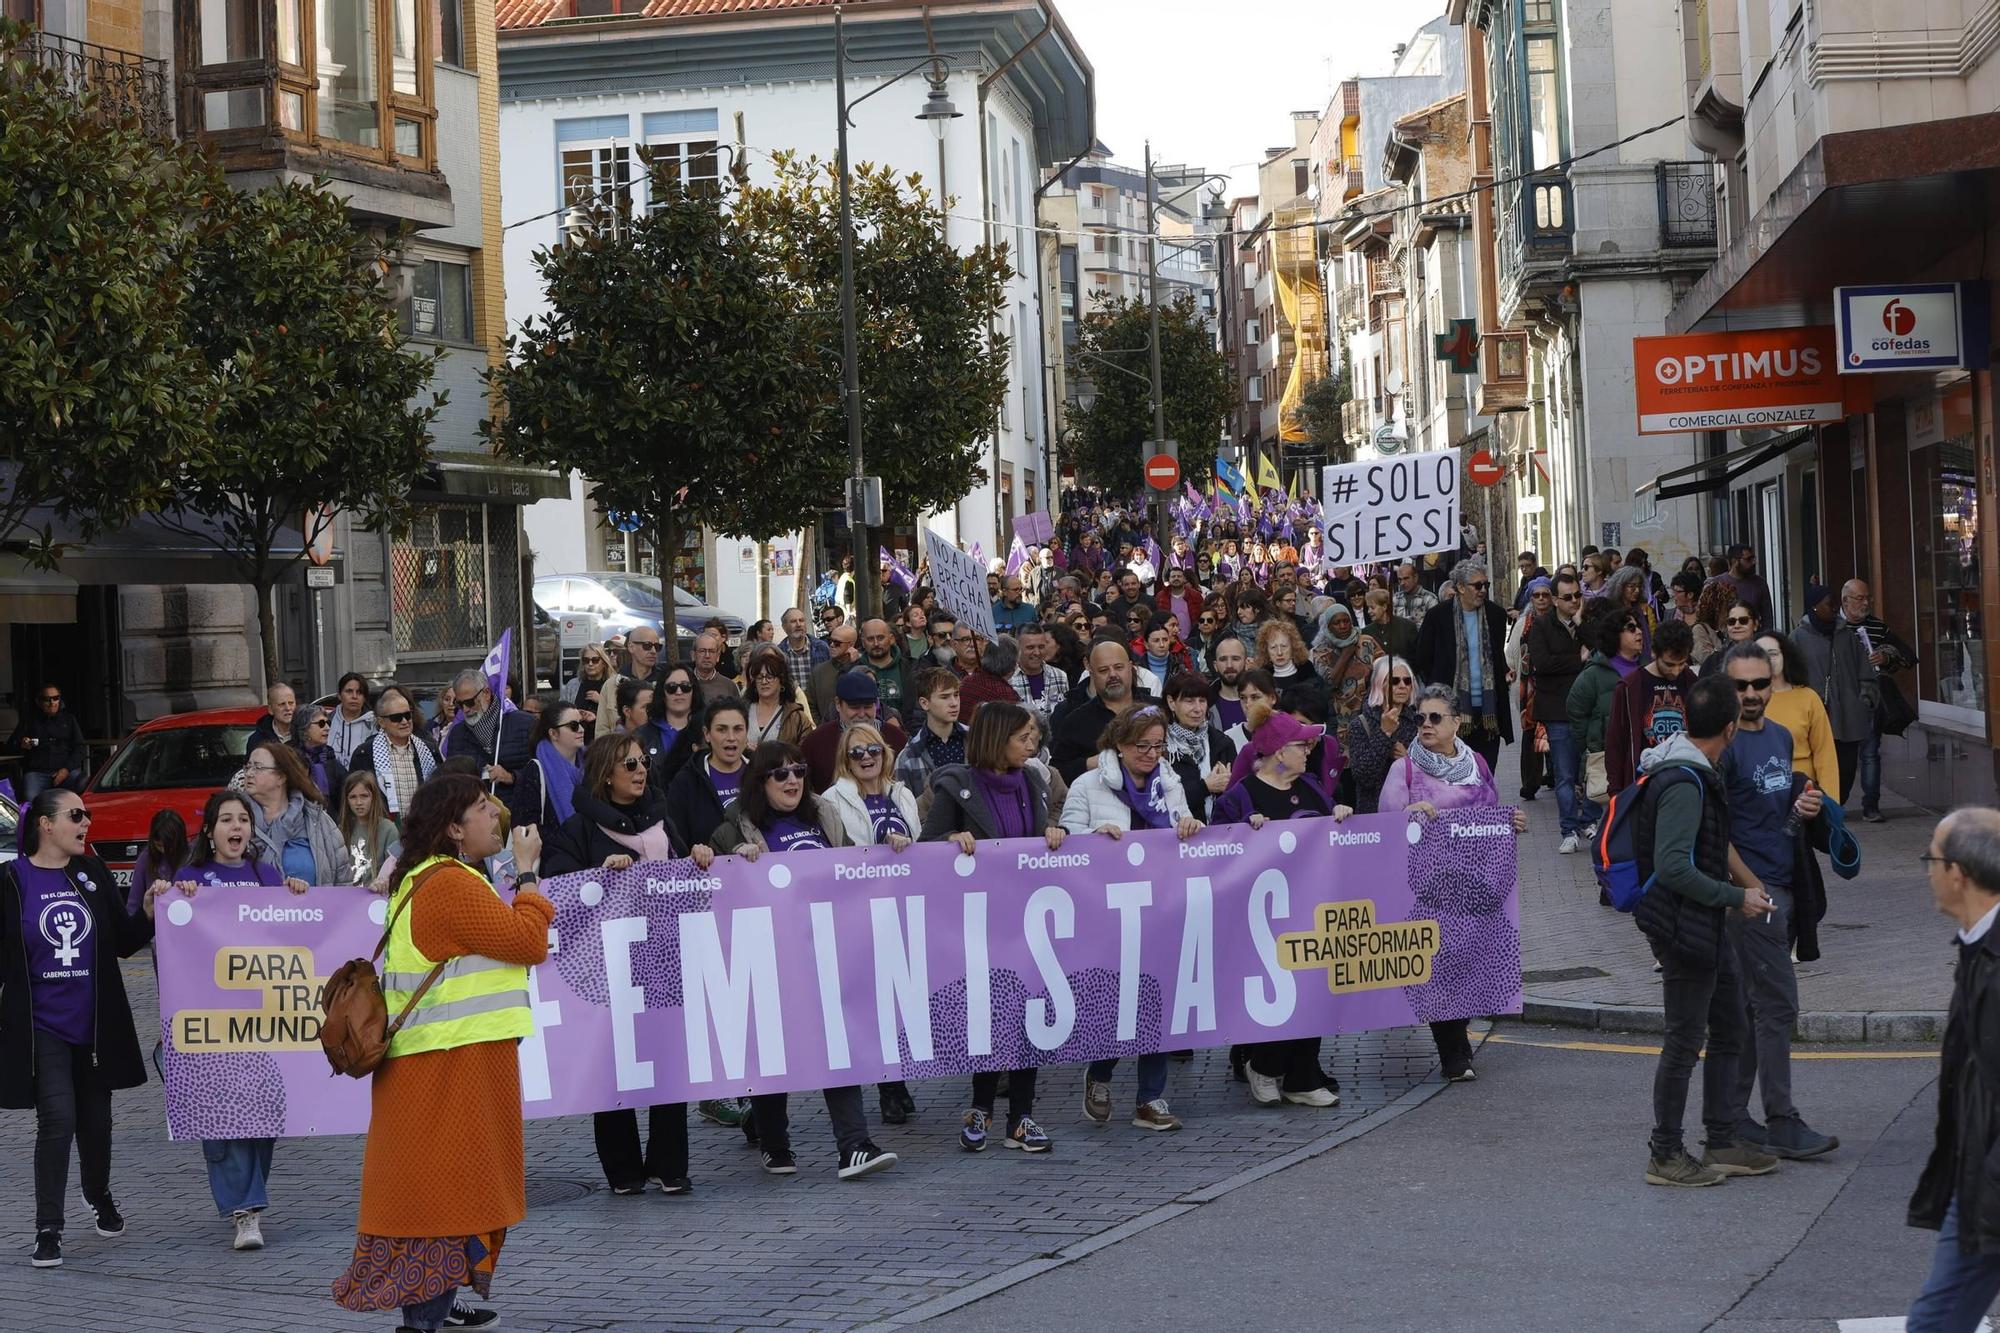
pixel 1388 509
pixel 960 582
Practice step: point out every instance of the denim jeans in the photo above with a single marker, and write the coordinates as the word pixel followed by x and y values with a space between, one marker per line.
pixel 1699 1002
pixel 431 1314
pixel 34 784
pixel 1960 1289
pixel 1566 764
pixel 1152 1075
pixel 1771 998
pixel 1871 771
pixel 238 1171
pixel 72 1102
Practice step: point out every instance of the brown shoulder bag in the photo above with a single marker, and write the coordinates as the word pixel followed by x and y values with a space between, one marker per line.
pixel 354 1029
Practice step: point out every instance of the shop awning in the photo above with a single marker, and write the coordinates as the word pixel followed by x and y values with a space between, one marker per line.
pixel 31 596
pixel 482 477
pixel 1714 474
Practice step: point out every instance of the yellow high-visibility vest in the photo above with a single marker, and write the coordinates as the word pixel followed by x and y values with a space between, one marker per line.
pixel 474 999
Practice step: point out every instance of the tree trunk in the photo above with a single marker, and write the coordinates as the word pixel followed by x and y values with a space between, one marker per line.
pixel 667 552
pixel 267 626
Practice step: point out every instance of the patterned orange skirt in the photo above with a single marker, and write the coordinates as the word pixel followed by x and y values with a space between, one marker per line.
pixel 392 1272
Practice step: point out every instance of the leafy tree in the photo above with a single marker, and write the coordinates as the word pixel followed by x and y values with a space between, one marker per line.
pixel 1109 438
pixel 319 405
pixel 1319 416
pixel 678 370
pixel 931 382
pixel 102 397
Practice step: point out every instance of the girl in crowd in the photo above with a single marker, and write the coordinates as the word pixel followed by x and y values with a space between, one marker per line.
pixel 239 1170
pixel 310 731
pixel 702 790
pixel 542 790
pixel 775 711
pixel 1615 635
pixel 1256 686
pixel 1280 785
pixel 617 820
pixel 1442 772
pixel 996 793
pixel 1383 731
pixel 66 1035
pixel 1131 788
pixel 353 723
pixel 586 687
pixel 635 714
pixel 1797 707
pixel 774 812
pixel 676 718
pixel 442 1175
pixel 1197 749
pixel 295 835
pixel 365 826
pixel 166 849
pixel 400 756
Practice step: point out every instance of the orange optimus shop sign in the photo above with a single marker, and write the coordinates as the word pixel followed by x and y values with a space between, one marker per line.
pixel 1752 379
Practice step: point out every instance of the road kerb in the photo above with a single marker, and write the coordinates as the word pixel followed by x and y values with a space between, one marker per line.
pixel 1844 1026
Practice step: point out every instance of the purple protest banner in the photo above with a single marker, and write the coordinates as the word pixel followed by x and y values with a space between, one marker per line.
pixel 1035 528
pixel 824 969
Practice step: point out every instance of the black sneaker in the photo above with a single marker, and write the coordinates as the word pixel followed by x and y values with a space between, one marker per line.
pixel 865 1161
pixel 1790 1137
pixel 110 1222
pixel 48 1249
pixel 780 1163
pixel 627 1191
pixel 674 1185
pixel 464 1314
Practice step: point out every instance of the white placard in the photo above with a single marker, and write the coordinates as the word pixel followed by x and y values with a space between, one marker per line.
pixel 960 582
pixel 1388 509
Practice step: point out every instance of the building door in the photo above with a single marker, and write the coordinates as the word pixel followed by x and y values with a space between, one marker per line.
pixel 1944 532
pixel 1770 542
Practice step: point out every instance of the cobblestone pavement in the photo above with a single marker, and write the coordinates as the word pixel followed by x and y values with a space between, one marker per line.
pixel 1883 945
pixel 744 1251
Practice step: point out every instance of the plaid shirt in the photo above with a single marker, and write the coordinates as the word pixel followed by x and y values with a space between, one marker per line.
pixel 1055 687
pixel 802 663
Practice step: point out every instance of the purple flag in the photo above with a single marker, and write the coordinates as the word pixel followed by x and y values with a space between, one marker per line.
pixel 899 573
pixel 494 668
pixel 1017 555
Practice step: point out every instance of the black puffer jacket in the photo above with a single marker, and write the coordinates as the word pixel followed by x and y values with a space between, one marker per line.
pixel 121 935
pixel 583 844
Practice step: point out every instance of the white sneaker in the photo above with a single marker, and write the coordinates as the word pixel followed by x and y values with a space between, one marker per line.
pixel 1569 846
pixel 1316 1097
pixel 249 1232
pixel 1263 1089
pixel 1589 832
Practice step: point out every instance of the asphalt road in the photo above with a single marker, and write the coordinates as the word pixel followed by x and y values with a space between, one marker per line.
pixel 1517 1203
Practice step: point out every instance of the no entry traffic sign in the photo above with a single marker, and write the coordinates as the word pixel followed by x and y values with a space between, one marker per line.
pixel 1163 472
pixel 1483 469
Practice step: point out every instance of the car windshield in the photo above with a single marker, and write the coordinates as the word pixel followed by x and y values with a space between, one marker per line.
pixel 176 757
pixel 10 824
pixel 639 594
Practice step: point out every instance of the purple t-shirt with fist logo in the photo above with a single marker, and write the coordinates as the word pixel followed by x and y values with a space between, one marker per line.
pixel 62 951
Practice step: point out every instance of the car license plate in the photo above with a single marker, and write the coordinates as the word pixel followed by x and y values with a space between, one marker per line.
pixel 122 878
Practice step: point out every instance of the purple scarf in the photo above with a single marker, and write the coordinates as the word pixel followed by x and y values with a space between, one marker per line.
pixel 1149 807
pixel 1007 796
pixel 559 779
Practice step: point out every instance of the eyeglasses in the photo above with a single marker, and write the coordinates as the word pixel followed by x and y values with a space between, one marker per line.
pixel 52 698
pixel 1760 683
pixel 260 768
pixel 1924 857
pixel 1149 747
pixel 859 752
pixel 1433 719
pixel 574 724
pixel 787 773
pixel 632 763
pixel 393 717
pixel 677 687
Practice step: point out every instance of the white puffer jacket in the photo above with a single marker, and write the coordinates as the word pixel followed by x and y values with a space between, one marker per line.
pixel 843 801
pixel 1097 797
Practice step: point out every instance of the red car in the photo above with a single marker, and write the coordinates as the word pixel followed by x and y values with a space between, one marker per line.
pixel 172 762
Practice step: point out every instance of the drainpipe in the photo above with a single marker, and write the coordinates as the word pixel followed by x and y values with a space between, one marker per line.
pixel 986 213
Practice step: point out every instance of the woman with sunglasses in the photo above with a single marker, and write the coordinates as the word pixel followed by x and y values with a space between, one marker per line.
pixel 1383 731
pixel 67 1040
pixel 295 834
pixel 544 789
pixel 1132 787
pixel 619 820
pixel 775 812
pixel 312 730
pixel 400 756
pixel 586 688
pixel 872 807
pixel 1739 625
pixel 1442 772
pixel 775 711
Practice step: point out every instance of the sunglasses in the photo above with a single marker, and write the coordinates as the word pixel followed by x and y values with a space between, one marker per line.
pixel 393 717
pixel 1760 683
pixel 632 763
pixel 1569 597
pixel 859 752
pixel 677 687
pixel 52 698
pixel 787 773
pixel 643 645
pixel 1479 587
pixel 574 724
pixel 1433 719
pixel 1402 680
pixel 77 815
pixel 321 722
pixel 1738 620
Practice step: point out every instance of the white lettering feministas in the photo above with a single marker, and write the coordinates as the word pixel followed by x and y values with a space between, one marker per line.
pixel 978 979
pixel 1194 980
pixel 1270 898
pixel 1126 899
pixel 826 960
pixel 902 978
pixel 627 1000
pixel 719 992
pixel 1050 912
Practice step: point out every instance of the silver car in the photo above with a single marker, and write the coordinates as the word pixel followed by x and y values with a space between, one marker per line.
pixel 622 602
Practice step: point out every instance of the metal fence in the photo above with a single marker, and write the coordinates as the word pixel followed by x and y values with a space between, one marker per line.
pixel 122 84
pixel 1687 204
pixel 455 580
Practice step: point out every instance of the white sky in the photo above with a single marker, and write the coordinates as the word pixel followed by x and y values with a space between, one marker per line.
pixel 1214 82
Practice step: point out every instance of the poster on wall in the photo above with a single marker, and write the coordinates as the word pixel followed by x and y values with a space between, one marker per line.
pixel 783 561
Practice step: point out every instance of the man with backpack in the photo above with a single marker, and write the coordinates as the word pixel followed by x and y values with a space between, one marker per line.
pixel 1693 878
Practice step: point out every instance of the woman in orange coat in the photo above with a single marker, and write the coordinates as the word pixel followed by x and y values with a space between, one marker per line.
pixel 442 1176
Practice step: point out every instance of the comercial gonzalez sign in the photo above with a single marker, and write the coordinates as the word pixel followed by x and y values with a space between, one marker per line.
pixel 1752 379
pixel 1919 326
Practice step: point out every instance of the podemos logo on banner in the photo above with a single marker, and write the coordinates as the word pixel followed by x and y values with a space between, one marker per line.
pixel 830 968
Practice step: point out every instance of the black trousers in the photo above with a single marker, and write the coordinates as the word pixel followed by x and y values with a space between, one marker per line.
pixel 72 1102
pixel 666 1152
pixel 769 1124
pixel 1701 1003
pixel 1020 1094
pixel 1848 755
pixel 1486 741
pixel 1294 1062
pixel 1454 1042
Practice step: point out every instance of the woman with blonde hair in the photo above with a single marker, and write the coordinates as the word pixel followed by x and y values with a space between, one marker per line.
pixel 870 805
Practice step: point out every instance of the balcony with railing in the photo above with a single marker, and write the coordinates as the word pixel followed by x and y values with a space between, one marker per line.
pixel 121 84
pixel 1687 205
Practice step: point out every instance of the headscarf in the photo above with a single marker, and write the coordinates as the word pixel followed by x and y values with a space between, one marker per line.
pixel 1328 641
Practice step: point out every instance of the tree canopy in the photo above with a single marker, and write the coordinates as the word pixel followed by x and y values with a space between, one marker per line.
pixel 1109 439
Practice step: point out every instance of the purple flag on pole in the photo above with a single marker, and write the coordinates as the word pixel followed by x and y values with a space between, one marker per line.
pixel 494 668
pixel 899 573
pixel 978 553
pixel 1017 555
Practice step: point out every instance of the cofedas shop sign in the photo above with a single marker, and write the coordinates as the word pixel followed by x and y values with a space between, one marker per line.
pixel 1923 326
pixel 1749 379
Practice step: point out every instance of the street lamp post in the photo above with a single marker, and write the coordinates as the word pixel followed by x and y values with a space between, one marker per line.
pixel 864 493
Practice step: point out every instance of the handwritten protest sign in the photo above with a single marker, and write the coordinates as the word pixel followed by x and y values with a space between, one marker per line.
pixel 1388 509
pixel 960 581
